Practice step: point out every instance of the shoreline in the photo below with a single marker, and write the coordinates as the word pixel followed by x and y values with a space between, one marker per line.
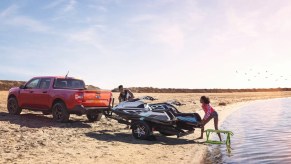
pixel 215 154
pixel 223 113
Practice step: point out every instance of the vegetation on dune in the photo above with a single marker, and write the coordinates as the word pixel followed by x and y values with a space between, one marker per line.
pixel 7 84
pixel 92 87
pixel 174 90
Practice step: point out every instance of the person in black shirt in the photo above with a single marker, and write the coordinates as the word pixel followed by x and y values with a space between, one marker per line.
pixel 125 94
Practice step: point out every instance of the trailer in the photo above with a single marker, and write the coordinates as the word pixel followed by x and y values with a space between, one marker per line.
pixel 145 118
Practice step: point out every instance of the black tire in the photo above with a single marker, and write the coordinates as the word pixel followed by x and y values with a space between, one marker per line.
pixel 60 112
pixel 94 117
pixel 13 107
pixel 166 134
pixel 141 130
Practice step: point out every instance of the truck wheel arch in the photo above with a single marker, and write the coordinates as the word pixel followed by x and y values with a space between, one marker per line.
pixel 56 101
pixel 13 96
pixel 10 96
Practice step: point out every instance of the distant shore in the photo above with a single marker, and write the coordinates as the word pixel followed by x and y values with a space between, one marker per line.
pixel 175 90
pixel 5 85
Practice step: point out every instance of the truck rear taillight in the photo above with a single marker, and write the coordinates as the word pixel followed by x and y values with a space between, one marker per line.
pixel 79 97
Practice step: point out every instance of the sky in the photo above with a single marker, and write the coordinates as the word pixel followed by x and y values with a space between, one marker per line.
pixel 149 43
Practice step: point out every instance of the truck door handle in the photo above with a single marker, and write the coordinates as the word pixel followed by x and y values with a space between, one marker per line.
pixel 44 92
pixel 30 91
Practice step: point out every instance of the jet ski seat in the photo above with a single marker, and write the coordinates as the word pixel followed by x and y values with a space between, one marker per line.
pixel 174 113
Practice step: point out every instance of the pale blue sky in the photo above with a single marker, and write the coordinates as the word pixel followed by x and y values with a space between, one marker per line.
pixel 158 43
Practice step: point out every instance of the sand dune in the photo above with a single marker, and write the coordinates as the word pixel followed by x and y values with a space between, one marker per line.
pixel 35 138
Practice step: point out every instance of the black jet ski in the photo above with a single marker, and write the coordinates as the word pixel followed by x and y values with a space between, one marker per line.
pixel 144 118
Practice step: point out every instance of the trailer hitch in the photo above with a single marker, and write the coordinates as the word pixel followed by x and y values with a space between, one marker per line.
pixel 108 112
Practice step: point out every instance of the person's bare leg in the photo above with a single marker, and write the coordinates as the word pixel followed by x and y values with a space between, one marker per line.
pixel 202 128
pixel 202 131
pixel 216 126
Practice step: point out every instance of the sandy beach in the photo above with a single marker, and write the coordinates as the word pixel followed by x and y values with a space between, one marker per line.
pixel 35 138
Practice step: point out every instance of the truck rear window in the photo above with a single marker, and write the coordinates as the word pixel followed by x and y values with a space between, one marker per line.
pixel 69 84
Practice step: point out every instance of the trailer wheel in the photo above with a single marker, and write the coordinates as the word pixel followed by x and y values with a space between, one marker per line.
pixel 141 130
pixel 94 117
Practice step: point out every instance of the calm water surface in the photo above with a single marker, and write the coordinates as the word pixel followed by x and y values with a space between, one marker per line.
pixel 262 133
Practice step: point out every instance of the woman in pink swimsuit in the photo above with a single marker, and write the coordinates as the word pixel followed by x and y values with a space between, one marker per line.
pixel 209 114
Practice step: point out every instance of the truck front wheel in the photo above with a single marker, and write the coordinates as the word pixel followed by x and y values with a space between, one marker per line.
pixel 94 117
pixel 13 107
pixel 60 112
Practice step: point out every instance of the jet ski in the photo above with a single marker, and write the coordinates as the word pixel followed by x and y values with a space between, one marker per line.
pixel 144 118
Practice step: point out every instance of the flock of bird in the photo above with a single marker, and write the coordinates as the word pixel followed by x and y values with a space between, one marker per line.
pixel 251 75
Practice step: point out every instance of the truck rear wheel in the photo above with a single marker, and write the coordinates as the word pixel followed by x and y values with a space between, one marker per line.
pixel 12 106
pixel 141 130
pixel 94 117
pixel 60 112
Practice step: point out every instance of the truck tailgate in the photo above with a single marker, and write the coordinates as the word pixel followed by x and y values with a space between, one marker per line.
pixel 96 98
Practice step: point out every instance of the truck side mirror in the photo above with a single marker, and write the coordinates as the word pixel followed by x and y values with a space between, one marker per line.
pixel 22 87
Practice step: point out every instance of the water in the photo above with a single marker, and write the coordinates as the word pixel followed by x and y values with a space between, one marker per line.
pixel 262 133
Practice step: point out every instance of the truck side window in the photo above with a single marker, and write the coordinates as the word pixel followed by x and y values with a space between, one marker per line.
pixel 76 84
pixel 32 84
pixel 45 83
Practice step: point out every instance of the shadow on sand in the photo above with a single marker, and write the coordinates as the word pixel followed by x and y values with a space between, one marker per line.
pixel 109 136
pixel 39 120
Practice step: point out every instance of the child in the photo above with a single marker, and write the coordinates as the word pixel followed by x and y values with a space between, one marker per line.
pixel 209 114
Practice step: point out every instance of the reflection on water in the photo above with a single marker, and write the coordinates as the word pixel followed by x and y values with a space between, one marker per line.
pixel 262 133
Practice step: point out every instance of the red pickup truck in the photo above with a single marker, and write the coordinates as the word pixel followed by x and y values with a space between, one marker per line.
pixel 59 96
